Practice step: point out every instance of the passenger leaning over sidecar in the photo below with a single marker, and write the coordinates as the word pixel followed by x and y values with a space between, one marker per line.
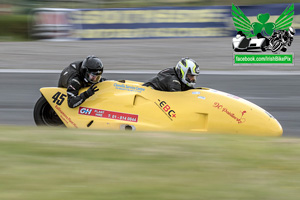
pixel 182 77
pixel 81 74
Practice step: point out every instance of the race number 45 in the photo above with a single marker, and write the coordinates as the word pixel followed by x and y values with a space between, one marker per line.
pixel 59 98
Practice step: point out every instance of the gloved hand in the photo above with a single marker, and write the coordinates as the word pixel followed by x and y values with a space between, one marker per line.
pixel 91 91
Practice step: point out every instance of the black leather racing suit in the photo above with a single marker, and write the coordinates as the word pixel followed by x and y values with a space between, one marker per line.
pixel 167 80
pixel 72 79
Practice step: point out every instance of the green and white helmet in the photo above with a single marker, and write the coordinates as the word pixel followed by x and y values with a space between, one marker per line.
pixel 187 66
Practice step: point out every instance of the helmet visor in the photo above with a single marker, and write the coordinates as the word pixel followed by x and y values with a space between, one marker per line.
pixel 94 76
pixel 190 78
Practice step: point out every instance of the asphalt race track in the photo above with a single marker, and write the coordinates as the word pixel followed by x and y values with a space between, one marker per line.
pixel 277 94
pixel 147 54
pixel 274 88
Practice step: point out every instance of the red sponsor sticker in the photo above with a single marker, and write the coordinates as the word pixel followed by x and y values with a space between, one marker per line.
pixel 108 114
pixel 64 117
pixel 235 116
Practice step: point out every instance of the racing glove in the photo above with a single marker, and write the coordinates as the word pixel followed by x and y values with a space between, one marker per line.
pixel 91 91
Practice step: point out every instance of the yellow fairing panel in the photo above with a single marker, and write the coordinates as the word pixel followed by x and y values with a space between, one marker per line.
pixel 120 105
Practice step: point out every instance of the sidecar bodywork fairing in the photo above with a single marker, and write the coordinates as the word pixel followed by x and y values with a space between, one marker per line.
pixel 128 105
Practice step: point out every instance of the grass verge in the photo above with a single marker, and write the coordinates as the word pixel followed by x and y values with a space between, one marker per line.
pixel 53 163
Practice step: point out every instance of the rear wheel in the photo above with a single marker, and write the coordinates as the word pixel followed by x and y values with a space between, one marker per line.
pixel 44 115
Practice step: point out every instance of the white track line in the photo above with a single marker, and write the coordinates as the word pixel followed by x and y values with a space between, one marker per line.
pixel 141 72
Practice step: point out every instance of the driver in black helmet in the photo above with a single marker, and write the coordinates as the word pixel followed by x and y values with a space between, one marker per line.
pixel 81 74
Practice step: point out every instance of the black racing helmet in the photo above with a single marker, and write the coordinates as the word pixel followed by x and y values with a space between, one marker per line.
pixel 92 69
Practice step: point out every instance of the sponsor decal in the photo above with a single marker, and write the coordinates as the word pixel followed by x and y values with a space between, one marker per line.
pixel 170 113
pixel 201 97
pixel 58 98
pixel 234 116
pixel 108 114
pixel 64 117
pixel 130 88
pixel 85 111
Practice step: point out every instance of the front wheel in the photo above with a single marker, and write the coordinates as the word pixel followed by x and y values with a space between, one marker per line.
pixel 44 115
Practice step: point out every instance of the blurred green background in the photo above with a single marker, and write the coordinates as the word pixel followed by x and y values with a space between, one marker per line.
pixel 14 15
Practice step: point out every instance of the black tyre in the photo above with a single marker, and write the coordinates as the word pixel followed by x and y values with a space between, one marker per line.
pixel 44 115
